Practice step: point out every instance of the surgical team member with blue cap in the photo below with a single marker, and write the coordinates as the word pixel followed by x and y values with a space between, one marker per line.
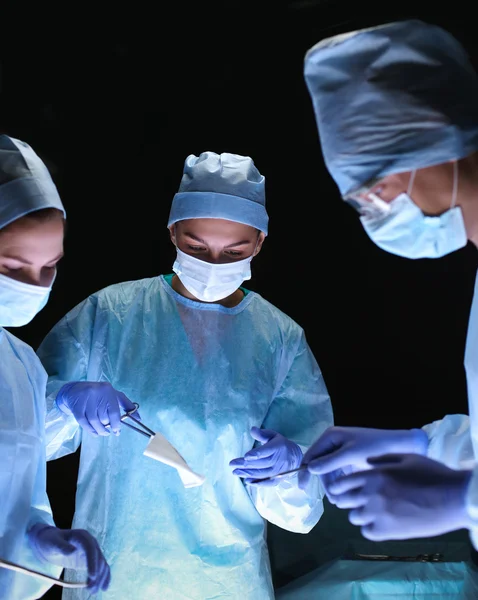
pixel 31 244
pixel 214 367
pixel 397 113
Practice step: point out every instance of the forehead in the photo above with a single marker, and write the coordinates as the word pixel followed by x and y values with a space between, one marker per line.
pixel 32 238
pixel 216 228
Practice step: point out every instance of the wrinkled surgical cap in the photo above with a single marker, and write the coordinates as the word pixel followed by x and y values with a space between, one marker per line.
pixel 391 99
pixel 25 183
pixel 221 186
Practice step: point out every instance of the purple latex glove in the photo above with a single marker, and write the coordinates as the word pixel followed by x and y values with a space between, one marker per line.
pixel 276 455
pixel 345 450
pixel 404 496
pixel 94 405
pixel 71 549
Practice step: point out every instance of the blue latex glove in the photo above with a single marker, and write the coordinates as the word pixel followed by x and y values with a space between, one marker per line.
pixel 71 549
pixel 404 496
pixel 344 450
pixel 94 405
pixel 276 455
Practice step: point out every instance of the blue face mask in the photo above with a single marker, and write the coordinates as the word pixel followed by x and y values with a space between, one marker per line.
pixel 20 302
pixel 406 231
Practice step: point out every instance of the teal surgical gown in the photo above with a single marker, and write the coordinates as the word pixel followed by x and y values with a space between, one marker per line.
pixel 203 375
pixel 23 498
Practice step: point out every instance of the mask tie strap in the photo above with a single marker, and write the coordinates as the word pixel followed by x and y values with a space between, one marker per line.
pixel 411 182
pixel 455 184
pixel 255 247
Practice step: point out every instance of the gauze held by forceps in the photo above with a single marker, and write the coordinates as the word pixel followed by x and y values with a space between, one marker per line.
pixel 160 449
pixel 52 580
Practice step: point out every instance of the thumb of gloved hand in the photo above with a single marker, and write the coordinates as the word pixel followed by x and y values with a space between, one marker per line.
pixel 263 435
pixel 128 406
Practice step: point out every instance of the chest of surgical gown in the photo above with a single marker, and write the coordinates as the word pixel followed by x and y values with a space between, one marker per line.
pixel 22 467
pixel 203 375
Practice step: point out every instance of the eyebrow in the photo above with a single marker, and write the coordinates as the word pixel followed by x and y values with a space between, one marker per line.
pixel 243 243
pixel 27 262
pixel 234 245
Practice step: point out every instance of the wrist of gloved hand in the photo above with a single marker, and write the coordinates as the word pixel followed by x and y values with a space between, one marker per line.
pixel 62 398
pixel 420 441
pixel 466 491
pixel 406 441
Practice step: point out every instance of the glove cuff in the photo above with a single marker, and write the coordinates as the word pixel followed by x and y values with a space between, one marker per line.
pixel 421 441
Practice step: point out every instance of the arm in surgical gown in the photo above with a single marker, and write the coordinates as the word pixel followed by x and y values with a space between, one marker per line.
pixel 300 409
pixel 73 335
pixel 452 442
pixel 293 413
pixel 24 500
pixel 454 439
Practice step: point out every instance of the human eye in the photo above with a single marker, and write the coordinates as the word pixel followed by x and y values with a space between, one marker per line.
pixel 12 267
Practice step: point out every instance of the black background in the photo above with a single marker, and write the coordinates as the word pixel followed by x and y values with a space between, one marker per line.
pixel 114 99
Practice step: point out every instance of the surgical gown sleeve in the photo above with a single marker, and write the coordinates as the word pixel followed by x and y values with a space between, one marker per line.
pixel 65 355
pixel 450 441
pixel 454 439
pixel 471 369
pixel 301 410
pixel 40 512
pixel 24 500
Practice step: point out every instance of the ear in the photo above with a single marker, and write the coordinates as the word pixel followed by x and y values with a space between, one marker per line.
pixel 172 234
pixel 260 241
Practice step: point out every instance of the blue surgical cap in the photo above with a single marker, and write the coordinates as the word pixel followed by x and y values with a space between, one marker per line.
pixel 25 183
pixel 221 186
pixel 391 99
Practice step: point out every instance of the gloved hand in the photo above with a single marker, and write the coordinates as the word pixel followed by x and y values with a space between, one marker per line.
pixel 404 496
pixel 94 405
pixel 277 455
pixel 346 450
pixel 72 549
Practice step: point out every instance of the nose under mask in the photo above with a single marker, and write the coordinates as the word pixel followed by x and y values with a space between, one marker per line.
pixel 211 282
pixel 406 231
pixel 20 302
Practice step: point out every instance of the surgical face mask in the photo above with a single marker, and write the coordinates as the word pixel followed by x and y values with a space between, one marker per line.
pixel 20 302
pixel 211 282
pixel 401 228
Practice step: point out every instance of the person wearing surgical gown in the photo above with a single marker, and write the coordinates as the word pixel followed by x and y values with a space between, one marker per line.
pixel 31 244
pixel 397 113
pixel 220 373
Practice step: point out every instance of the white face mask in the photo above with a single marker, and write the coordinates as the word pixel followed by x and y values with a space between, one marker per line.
pixel 20 302
pixel 405 231
pixel 211 282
